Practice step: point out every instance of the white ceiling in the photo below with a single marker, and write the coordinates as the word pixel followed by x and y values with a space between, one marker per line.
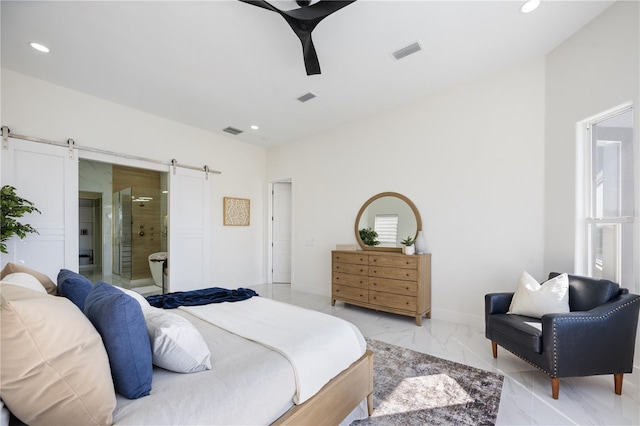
pixel 213 64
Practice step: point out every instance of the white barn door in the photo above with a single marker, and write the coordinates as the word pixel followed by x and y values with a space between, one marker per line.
pixel 189 229
pixel 46 175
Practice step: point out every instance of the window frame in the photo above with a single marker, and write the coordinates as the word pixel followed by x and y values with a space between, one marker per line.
pixel 588 218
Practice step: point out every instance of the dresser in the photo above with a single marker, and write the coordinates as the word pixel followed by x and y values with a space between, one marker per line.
pixel 390 282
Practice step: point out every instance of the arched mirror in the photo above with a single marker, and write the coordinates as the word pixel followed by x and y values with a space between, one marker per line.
pixel 385 220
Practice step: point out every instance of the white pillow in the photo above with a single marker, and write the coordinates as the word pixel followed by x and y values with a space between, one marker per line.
pixel 24 280
pixel 140 298
pixel 535 300
pixel 4 414
pixel 176 345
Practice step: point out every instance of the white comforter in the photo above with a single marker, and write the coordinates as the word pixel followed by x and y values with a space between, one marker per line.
pixel 317 345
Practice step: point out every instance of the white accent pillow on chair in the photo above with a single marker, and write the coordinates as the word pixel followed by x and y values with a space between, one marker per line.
pixel 535 300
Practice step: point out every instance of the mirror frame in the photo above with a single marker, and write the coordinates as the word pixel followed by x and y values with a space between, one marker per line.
pixel 371 200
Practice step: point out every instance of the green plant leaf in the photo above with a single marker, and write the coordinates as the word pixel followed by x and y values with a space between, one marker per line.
pixel 13 206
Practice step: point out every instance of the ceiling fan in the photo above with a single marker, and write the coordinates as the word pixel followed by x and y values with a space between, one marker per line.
pixel 302 21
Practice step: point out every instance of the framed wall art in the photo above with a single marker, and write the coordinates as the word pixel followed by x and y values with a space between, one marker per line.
pixel 237 211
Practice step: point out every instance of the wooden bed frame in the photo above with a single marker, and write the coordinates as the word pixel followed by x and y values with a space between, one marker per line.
pixel 337 398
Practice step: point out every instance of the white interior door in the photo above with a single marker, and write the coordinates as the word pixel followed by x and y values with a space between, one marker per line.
pixel 189 230
pixel 46 175
pixel 281 232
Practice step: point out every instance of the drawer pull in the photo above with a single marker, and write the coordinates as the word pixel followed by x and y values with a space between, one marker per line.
pixel 361 270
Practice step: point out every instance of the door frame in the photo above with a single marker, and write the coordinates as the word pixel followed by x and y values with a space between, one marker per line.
pixel 115 159
pixel 269 250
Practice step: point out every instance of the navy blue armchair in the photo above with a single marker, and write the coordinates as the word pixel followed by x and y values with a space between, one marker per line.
pixel 596 337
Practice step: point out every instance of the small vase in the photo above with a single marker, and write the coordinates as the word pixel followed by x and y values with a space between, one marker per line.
pixel 421 243
pixel 409 249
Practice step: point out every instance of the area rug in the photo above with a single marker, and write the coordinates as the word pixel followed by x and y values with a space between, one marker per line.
pixel 412 388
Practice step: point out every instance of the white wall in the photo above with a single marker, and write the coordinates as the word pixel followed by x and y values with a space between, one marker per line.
pixel 598 68
pixel 36 108
pixel 470 158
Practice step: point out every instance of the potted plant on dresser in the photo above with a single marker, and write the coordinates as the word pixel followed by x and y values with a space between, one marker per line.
pixel 409 248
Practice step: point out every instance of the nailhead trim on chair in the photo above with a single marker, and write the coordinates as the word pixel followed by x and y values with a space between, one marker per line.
pixel 555 338
pixel 569 319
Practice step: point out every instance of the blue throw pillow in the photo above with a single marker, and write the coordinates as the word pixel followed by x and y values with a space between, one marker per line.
pixel 119 320
pixel 74 287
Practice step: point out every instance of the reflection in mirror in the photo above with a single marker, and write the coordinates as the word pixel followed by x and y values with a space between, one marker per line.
pixel 385 220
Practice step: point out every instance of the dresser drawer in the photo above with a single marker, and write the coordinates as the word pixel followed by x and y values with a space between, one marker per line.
pixel 361 259
pixel 360 281
pixel 397 301
pixel 408 288
pixel 393 273
pixel 352 293
pixel 351 268
pixel 384 281
pixel 404 261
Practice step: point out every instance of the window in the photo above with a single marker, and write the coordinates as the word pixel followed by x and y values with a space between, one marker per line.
pixel 386 225
pixel 608 204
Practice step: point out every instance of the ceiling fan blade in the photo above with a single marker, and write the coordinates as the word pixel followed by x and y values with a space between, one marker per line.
pixel 302 21
pixel 311 63
pixel 261 3
pixel 318 11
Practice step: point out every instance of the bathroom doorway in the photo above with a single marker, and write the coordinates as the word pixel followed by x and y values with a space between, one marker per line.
pixel 90 231
pixel 134 214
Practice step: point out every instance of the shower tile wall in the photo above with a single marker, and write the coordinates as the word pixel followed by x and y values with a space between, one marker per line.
pixel 146 216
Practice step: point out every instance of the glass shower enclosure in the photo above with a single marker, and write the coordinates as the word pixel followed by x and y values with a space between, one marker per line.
pixel 122 230
pixel 139 230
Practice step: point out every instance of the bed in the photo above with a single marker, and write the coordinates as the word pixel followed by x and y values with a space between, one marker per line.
pixel 248 383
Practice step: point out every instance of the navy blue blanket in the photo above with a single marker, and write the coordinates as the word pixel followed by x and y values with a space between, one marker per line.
pixel 199 297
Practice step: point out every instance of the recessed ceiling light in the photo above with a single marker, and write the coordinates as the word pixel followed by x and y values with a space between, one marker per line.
pixel 530 6
pixel 39 47
pixel 254 127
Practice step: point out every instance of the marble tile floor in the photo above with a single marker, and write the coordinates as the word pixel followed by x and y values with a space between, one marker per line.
pixel 145 287
pixel 526 393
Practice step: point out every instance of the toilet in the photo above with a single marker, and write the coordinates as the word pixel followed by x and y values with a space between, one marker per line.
pixel 156 260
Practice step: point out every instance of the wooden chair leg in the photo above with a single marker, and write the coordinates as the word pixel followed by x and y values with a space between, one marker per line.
pixel 555 388
pixel 494 348
pixel 617 380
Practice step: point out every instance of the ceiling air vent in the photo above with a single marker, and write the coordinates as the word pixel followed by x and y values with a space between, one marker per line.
pixel 306 97
pixel 407 50
pixel 232 130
